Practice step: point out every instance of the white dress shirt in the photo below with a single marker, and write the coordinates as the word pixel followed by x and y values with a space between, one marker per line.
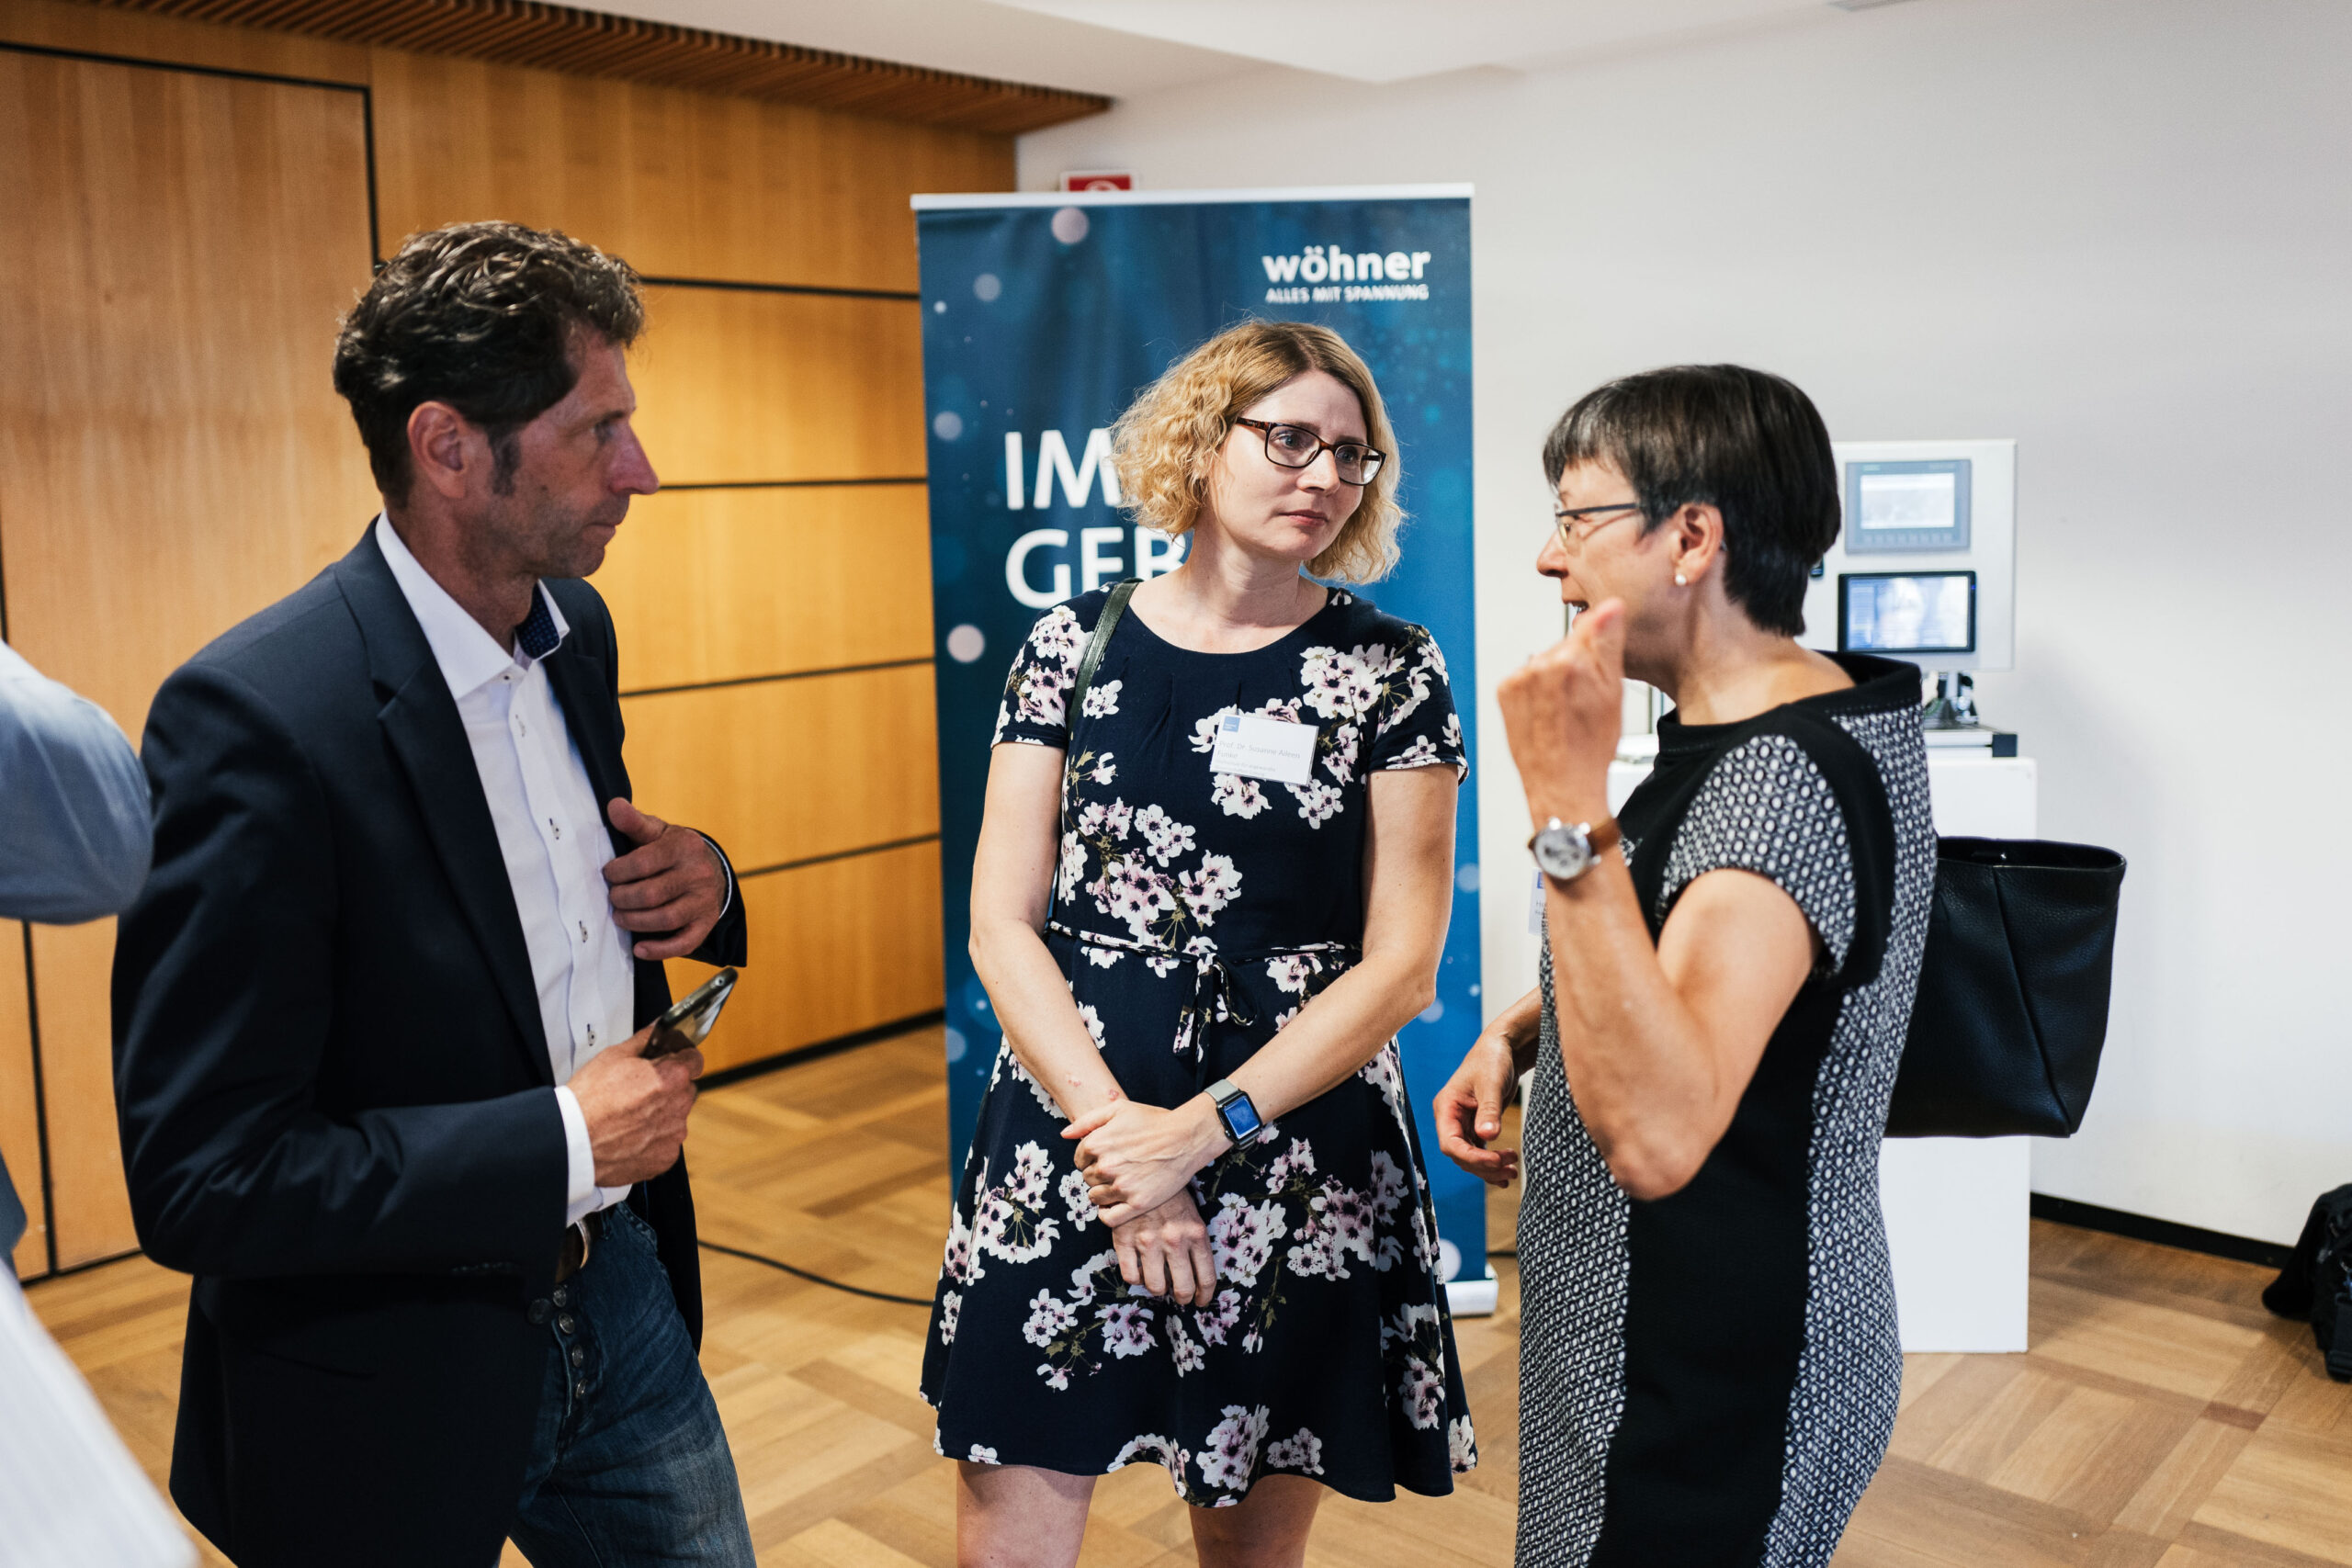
pixel 553 834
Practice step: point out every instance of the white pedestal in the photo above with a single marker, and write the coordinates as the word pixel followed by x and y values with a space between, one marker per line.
pixel 1473 1298
pixel 1957 1218
pixel 1956 1227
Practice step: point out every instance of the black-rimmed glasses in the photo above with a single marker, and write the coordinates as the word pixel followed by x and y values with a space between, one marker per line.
pixel 1575 522
pixel 1296 447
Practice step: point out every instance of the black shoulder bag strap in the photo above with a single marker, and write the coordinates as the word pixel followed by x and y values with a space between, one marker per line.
pixel 1075 706
pixel 1104 625
pixel 1870 841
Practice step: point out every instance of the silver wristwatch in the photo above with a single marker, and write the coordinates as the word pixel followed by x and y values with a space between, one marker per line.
pixel 1566 850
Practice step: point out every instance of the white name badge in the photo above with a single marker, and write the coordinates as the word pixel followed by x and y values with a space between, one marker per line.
pixel 1256 747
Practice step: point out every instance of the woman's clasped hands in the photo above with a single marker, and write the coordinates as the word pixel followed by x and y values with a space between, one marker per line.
pixel 1140 1161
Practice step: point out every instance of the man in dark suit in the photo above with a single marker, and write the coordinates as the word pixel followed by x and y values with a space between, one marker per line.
pixel 374 1056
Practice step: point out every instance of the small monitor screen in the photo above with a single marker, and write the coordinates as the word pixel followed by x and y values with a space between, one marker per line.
pixel 1906 500
pixel 1919 506
pixel 1915 612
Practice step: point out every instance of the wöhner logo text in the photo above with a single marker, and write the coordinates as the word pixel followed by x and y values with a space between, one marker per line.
pixel 1321 273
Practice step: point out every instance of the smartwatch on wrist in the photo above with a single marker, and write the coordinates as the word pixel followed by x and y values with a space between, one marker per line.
pixel 1566 850
pixel 1241 1118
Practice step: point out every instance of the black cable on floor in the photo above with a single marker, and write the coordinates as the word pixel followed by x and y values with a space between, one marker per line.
pixel 887 1297
pixel 817 1279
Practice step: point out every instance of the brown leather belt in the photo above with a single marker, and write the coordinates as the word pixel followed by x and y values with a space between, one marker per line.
pixel 579 1242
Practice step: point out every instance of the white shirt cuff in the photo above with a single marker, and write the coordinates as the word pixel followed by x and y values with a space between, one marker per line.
pixel 726 869
pixel 581 1196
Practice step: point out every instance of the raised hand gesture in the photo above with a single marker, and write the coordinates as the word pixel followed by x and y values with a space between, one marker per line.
pixel 1563 710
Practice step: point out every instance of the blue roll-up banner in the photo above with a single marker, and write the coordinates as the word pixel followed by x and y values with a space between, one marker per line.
pixel 1043 316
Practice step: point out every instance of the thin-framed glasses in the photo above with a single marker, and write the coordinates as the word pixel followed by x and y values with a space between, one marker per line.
pixel 1575 522
pixel 1296 447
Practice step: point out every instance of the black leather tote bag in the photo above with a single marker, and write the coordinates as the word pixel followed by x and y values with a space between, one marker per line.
pixel 2012 1007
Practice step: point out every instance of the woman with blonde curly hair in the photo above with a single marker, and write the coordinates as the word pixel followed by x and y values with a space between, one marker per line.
pixel 1194 1228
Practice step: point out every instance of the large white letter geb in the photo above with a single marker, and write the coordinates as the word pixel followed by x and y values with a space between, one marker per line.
pixel 1016 569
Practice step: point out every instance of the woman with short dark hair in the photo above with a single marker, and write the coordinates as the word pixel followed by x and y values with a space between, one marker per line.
pixel 1709 1364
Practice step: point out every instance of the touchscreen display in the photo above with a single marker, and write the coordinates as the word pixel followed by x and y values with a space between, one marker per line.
pixel 1907 500
pixel 1913 505
pixel 1923 611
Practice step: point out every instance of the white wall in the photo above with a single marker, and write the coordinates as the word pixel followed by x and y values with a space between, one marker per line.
pixel 2116 230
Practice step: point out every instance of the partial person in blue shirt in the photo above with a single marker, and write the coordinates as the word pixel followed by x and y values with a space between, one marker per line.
pixel 74 846
pixel 75 840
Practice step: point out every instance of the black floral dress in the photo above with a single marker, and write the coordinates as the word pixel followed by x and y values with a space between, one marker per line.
pixel 1195 914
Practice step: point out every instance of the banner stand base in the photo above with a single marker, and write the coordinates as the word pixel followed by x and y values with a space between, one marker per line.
pixel 1473 1298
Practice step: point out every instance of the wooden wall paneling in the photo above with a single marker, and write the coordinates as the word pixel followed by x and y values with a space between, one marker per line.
pixel 458 141
pixel 837 947
pixel 19 1110
pixel 597 43
pixel 172 458
pixel 72 965
pixel 182 465
pixel 785 771
pixel 719 584
pixel 735 387
pixel 60 23
pixel 682 184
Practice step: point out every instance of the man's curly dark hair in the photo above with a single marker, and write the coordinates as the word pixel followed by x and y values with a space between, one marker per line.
pixel 480 316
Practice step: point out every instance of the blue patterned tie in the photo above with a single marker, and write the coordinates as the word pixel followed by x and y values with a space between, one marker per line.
pixel 537 635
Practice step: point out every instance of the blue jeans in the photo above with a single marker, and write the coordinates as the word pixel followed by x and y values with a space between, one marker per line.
pixel 628 1464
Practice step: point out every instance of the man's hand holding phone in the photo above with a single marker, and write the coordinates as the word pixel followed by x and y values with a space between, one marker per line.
pixel 636 1110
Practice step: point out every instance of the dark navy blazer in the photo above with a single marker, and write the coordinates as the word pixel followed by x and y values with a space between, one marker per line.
pixel 334 1081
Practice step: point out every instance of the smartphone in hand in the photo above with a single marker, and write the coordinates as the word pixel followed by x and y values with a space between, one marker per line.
pixel 688 1021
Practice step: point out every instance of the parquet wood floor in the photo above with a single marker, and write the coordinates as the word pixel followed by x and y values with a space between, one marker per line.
pixel 2161 1420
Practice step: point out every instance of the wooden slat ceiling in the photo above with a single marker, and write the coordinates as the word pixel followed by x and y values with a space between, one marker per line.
pixel 589 43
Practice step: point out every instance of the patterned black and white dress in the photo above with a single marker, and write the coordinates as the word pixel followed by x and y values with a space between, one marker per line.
pixel 1195 914
pixel 1711 1378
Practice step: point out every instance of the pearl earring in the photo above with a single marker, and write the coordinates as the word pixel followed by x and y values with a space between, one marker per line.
pixel 1680 580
